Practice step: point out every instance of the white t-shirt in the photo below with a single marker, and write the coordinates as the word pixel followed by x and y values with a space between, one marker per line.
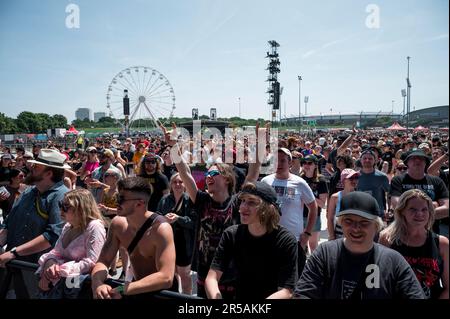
pixel 293 194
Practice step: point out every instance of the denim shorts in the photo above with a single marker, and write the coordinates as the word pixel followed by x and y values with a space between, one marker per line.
pixel 317 226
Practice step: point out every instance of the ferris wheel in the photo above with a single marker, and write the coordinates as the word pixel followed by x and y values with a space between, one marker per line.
pixel 151 97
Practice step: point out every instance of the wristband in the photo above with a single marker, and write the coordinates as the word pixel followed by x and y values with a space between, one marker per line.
pixel 120 289
pixel 307 233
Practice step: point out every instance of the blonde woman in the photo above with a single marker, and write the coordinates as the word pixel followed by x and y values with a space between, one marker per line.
pixel 76 250
pixel 410 234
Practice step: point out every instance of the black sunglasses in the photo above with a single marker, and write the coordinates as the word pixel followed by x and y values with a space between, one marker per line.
pixel 401 168
pixel 64 206
pixel 122 199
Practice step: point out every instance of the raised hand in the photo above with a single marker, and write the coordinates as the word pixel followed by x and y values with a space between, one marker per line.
pixel 168 134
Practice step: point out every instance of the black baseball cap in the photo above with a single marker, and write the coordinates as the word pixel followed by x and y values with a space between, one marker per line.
pixel 264 191
pixel 359 203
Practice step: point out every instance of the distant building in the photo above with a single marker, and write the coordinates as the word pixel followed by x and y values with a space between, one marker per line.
pixel 83 113
pixel 98 116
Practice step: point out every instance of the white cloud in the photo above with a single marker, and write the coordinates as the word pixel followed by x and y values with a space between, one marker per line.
pixel 438 37
pixel 308 54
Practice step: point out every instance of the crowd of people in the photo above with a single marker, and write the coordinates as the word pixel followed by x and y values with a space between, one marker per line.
pixel 249 228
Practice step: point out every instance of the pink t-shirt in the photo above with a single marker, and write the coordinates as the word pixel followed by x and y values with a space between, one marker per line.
pixel 91 166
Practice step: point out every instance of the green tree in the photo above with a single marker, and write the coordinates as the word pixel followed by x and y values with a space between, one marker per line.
pixel 44 122
pixel 27 122
pixel 58 121
pixel 7 125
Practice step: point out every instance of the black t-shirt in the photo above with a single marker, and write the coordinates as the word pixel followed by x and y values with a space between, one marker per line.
pixel 427 263
pixel 168 171
pixel 431 185
pixel 262 263
pixel 335 183
pixel 332 158
pixel 214 219
pixel 317 187
pixel 333 272
pixel 159 183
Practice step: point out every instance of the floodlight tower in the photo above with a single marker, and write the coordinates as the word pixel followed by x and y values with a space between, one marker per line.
pixel 274 85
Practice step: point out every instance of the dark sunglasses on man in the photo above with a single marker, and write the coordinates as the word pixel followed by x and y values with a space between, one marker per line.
pixel 122 199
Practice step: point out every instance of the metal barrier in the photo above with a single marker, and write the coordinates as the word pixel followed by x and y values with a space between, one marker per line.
pixel 27 266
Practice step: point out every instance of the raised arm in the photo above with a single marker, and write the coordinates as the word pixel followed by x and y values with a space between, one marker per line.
pixel 436 165
pixel 341 149
pixel 177 159
pixel 253 168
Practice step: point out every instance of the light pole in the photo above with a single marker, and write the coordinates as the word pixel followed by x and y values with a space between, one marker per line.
pixel 306 104
pixel 393 106
pixel 403 95
pixel 126 111
pixel 408 96
pixel 300 100
pixel 239 100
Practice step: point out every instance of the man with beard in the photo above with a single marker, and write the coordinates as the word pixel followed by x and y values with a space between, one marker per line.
pixel 34 223
pixel 148 239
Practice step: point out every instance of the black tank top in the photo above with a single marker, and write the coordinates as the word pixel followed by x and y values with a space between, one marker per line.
pixel 427 264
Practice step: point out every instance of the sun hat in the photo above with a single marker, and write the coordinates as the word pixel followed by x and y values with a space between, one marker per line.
pixel 50 158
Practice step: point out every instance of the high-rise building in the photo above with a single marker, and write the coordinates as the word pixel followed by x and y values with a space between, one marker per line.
pixel 98 116
pixel 83 113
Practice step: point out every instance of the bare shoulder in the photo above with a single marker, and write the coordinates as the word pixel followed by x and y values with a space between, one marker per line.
pixel 119 223
pixel 159 234
pixel 443 245
pixel 163 228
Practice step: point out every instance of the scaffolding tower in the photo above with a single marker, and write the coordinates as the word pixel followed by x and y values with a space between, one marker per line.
pixel 274 86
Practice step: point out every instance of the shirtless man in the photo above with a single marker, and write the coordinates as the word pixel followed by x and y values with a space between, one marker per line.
pixel 153 257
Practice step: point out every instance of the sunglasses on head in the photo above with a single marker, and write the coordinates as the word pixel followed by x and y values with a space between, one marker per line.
pixel 212 173
pixel 151 161
pixel 64 206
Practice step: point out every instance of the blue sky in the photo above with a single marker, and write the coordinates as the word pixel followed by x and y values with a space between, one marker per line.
pixel 213 52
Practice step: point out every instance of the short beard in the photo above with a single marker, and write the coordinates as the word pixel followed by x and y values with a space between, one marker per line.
pixel 32 180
